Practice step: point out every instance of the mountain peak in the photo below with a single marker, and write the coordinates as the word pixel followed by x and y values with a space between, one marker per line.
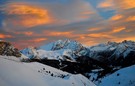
pixel 7 49
pixel 62 44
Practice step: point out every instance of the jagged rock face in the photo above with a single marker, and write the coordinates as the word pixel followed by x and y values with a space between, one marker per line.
pixel 7 49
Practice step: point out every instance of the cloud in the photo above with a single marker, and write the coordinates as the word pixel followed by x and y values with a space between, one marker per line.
pixel 118 29
pixel 127 4
pixel 24 43
pixel 3 36
pixel 57 33
pixel 94 29
pixel 130 18
pixel 70 12
pixel 100 35
pixel 116 17
pixel 105 4
pixel 28 33
pixel 38 40
pixel 117 4
pixel 25 15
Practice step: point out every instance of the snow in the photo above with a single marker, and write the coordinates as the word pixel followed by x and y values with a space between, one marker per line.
pixel 122 77
pixel 16 73
pixel 48 55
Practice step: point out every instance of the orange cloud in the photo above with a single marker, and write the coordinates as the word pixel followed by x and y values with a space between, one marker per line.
pixel 29 33
pixel 39 39
pixel 57 33
pixel 124 38
pixel 130 18
pixel 21 44
pixel 105 4
pixel 26 15
pixel 93 29
pixel 128 4
pixel 89 43
pixel 129 38
pixel 82 37
pixel 5 36
pixel 116 17
pixel 118 29
pixel 128 30
pixel 100 35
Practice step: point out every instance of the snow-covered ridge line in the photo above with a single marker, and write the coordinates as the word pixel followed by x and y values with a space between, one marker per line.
pixel 70 50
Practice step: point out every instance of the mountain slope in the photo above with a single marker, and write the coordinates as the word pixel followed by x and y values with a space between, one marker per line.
pixel 122 77
pixel 16 73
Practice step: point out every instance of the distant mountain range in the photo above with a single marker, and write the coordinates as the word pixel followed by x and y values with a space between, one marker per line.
pixel 111 53
pixel 95 62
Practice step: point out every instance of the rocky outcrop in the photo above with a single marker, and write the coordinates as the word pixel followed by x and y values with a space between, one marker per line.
pixel 7 49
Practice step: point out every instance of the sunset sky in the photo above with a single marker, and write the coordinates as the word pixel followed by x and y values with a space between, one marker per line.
pixel 37 22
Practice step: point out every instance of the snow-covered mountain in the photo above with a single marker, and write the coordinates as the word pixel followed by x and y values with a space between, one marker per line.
pixel 62 44
pixel 61 49
pixel 113 53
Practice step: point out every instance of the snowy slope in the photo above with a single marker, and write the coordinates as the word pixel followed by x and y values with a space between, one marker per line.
pixel 16 73
pixel 122 77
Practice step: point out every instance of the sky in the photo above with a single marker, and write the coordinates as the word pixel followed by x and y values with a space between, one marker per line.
pixel 37 22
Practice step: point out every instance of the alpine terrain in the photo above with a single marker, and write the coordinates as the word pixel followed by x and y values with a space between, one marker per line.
pixel 68 63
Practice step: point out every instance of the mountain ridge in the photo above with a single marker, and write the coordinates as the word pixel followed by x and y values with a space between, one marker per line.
pixel 109 52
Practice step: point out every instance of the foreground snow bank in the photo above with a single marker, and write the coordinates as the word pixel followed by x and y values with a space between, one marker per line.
pixel 123 77
pixel 15 73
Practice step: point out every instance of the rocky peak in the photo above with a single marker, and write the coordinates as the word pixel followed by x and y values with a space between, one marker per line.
pixel 7 49
pixel 67 44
